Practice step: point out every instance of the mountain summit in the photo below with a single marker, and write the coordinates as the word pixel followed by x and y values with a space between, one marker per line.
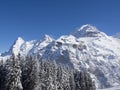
pixel 87 48
pixel 15 48
pixel 47 38
pixel 88 31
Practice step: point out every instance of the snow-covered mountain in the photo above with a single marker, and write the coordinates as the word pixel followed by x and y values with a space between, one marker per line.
pixel 87 48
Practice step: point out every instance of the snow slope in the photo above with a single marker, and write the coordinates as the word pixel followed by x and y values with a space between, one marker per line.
pixel 113 88
pixel 87 48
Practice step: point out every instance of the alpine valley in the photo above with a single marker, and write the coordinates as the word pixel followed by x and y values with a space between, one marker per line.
pixel 87 48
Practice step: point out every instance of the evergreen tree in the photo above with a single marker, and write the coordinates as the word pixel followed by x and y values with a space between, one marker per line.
pixel 49 78
pixel 13 78
pixel 60 78
pixel 84 81
pixel 72 81
pixel 30 74
pixel 54 74
pixel 3 73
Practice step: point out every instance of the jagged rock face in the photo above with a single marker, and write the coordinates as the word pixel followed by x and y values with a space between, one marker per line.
pixel 86 48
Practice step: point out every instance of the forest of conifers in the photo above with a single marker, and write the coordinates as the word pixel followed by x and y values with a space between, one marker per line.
pixel 30 73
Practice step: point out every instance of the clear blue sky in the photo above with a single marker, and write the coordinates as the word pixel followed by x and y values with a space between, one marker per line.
pixel 31 19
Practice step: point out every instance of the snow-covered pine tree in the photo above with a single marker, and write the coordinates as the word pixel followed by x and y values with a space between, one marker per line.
pixel 40 75
pixel 3 73
pixel 72 81
pixel 54 74
pixel 13 78
pixel 30 74
pixel 42 72
pixel 84 81
pixel 22 60
pixel 66 77
pixel 49 78
pixel 90 85
pixel 60 78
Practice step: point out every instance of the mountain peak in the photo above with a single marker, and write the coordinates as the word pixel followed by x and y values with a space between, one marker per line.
pixel 87 27
pixel 19 39
pixel 15 48
pixel 18 42
pixel 88 31
pixel 47 37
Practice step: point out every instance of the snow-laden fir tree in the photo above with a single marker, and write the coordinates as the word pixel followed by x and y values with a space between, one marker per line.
pixel 3 73
pixel 83 81
pixel 13 78
pixel 30 74
pixel 42 86
pixel 60 78
pixel 54 74
pixel 72 81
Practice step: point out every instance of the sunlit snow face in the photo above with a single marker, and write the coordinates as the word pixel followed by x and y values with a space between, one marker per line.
pixel 88 31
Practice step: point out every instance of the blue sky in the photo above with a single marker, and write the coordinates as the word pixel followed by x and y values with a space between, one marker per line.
pixel 31 19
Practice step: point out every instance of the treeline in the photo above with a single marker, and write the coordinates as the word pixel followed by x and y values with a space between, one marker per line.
pixel 29 73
